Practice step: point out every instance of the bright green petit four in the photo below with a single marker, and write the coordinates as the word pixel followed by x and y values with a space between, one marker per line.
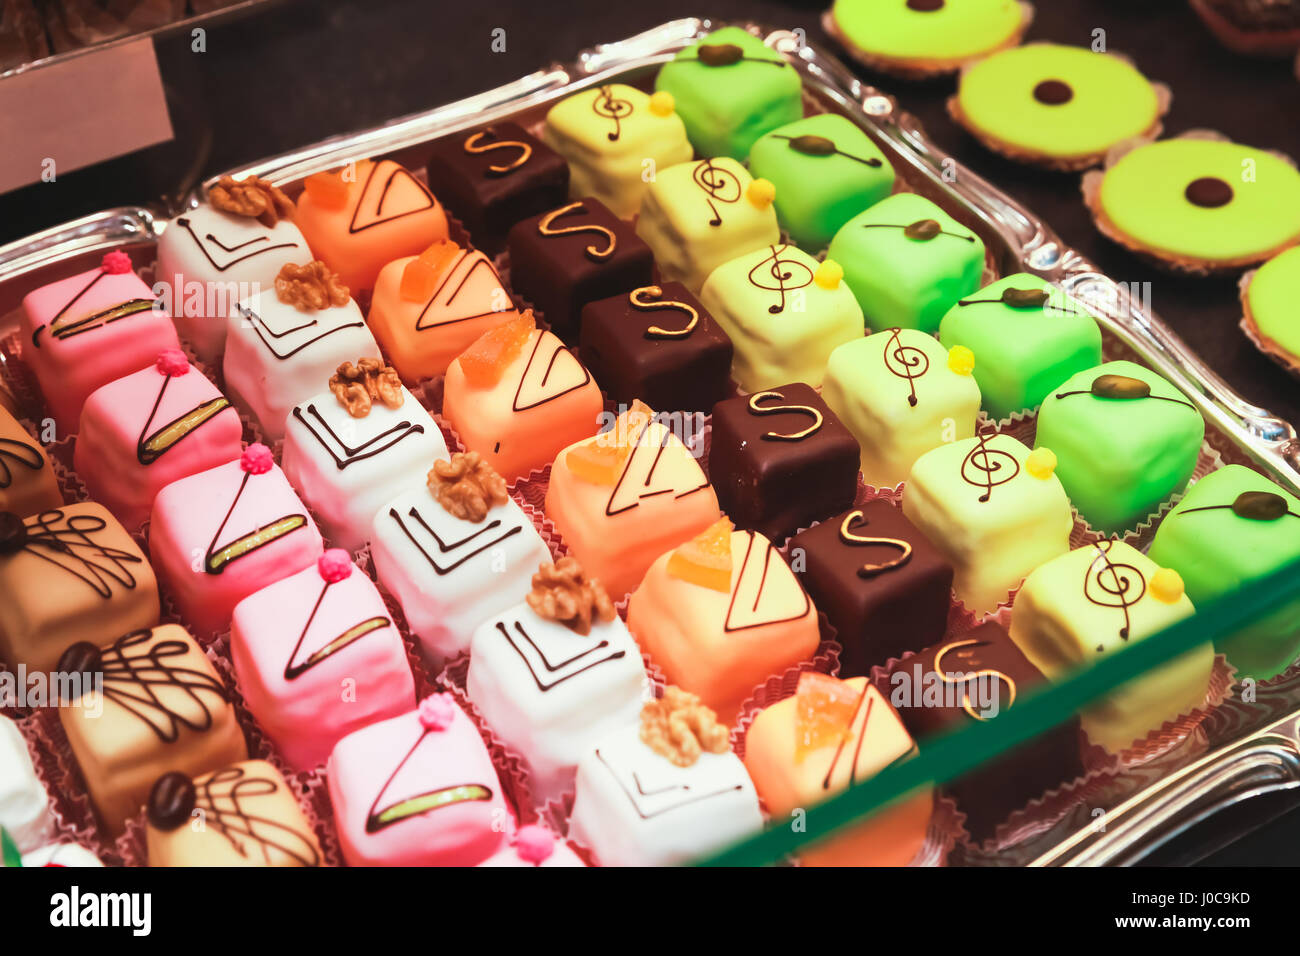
pixel 901 393
pixel 907 261
pixel 784 312
pixel 1062 104
pixel 730 89
pixel 1235 526
pixel 994 509
pixel 1028 337
pixel 1271 298
pixel 826 170
pixel 1201 202
pixel 697 215
pixel 1096 601
pixel 612 136
pixel 1125 440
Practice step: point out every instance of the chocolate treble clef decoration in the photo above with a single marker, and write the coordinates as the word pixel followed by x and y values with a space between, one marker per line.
pixel 546 228
pixel 649 298
pixel 986 467
pixel 784 275
pixel 1113 584
pixel 906 362
pixel 612 107
pixel 778 409
pixel 967 677
pixel 474 144
pixel 721 185
pixel 856 519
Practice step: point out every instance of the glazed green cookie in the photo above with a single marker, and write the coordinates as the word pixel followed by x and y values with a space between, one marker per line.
pixel 1199 203
pixel 826 170
pixel 926 36
pixel 907 261
pixel 1270 302
pixel 1061 105
pixel 1125 440
pixel 1235 526
pixel 730 89
pixel 1027 336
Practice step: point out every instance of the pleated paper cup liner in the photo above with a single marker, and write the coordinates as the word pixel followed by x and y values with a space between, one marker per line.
pixel 511 767
pixel 947 828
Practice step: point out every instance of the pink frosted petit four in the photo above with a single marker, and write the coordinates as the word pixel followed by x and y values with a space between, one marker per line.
pixel 418 790
pixel 218 536
pixel 553 675
pixel 297 642
pixel 224 251
pixel 151 428
pixel 537 847
pixel 85 331
pixel 455 552
pixel 283 344
pixel 352 448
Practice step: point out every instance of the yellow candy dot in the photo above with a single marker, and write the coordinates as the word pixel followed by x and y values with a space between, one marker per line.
pixel 1041 463
pixel 662 103
pixel 761 192
pixel 961 360
pixel 829 274
pixel 1166 586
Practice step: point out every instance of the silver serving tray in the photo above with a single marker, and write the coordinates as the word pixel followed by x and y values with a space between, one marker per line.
pixel 1241 751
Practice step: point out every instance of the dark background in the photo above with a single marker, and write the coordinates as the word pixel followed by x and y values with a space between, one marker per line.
pixel 301 70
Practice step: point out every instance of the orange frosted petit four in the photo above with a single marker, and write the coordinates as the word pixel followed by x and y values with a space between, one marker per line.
pixel 365 215
pixel 626 496
pixel 429 308
pixel 518 396
pixel 722 613
pixel 812 746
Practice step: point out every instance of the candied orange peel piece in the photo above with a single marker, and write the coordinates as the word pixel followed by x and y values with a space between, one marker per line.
pixel 824 709
pixel 329 190
pixel 706 559
pixel 486 360
pixel 602 459
pixel 420 276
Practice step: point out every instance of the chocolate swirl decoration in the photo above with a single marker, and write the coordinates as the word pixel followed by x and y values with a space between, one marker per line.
pixel 151 681
pixel 1253 506
pixel 216 560
pixel 608 105
pixel 1123 388
pixel 850 537
pixel 720 186
pixel 985 467
pixel 784 275
pixel 547 228
pixel 725 54
pixel 965 678
pixel 222 800
pixel 812 145
pixel 649 298
pixel 906 362
pixel 1112 584
pixel 922 230
pixel 383 815
pixel 474 145
pixel 66 541
pixel 779 409
pixel 20 453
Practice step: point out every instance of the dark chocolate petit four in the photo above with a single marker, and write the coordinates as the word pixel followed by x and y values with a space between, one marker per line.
pixel 658 344
pixel 885 589
pixel 494 176
pixel 976 676
pixel 781 460
pixel 572 255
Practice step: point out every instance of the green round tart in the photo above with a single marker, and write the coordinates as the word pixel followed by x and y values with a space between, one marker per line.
pixel 920 38
pixel 1199 205
pixel 1270 300
pixel 1060 106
